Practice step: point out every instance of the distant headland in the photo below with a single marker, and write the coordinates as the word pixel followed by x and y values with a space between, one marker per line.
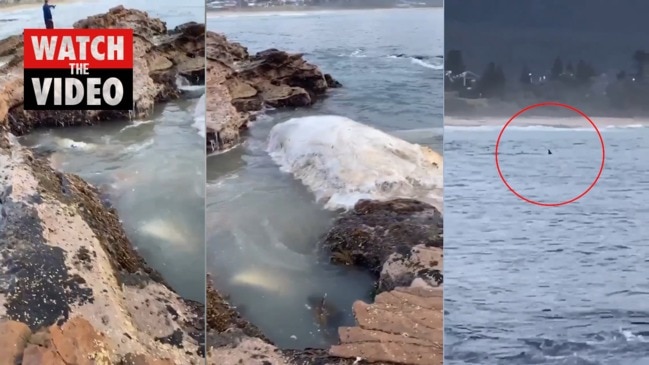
pixel 308 5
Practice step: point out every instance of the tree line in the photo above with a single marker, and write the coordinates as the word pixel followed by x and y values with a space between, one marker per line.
pixel 492 81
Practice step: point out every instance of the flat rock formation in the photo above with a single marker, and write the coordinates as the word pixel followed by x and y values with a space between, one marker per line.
pixel 159 56
pixel 402 326
pixel 239 85
pixel 68 274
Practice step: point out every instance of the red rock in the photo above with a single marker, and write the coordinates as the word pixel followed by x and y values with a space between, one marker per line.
pixel 13 337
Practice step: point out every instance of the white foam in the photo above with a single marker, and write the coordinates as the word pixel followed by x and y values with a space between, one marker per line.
pixel 342 161
pixel 257 14
pixel 357 53
pixel 199 116
pixel 540 128
pixel 75 145
pixel 425 64
pixel 192 91
pixel 136 123
pixel 182 81
pixel 134 148
pixel 631 337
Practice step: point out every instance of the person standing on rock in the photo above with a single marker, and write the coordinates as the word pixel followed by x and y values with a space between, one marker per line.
pixel 47 15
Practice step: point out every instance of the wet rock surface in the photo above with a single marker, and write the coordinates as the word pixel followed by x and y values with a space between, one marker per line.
pixel 401 242
pixel 402 326
pixel 68 273
pixel 240 85
pixel 399 230
pixel 159 55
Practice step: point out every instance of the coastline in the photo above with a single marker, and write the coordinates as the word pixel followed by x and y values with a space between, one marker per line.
pixel 215 13
pixel 568 123
pixel 67 247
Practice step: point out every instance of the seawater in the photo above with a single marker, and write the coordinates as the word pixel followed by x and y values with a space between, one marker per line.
pixel 152 171
pixel 538 285
pixel 266 215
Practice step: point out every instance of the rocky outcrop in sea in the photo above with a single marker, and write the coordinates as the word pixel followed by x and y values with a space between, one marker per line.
pixel 240 85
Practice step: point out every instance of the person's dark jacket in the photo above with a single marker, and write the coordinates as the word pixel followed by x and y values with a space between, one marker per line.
pixel 47 12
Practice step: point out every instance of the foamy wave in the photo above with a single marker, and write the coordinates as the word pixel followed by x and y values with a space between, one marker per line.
pixel 419 61
pixel 632 337
pixel 426 64
pixel 182 81
pixel 342 161
pixel 259 14
pixel 420 135
pixel 136 124
pixel 192 91
pixel 134 148
pixel 199 116
pixel 358 53
pixel 68 143
pixel 538 128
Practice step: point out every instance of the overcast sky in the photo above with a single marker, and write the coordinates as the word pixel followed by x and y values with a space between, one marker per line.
pixel 627 15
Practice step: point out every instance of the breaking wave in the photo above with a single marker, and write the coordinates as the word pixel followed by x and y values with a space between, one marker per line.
pixel 538 128
pixel 422 61
pixel 199 116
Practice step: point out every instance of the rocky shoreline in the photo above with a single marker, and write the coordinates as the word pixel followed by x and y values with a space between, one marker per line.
pixel 72 288
pixel 240 85
pixel 399 241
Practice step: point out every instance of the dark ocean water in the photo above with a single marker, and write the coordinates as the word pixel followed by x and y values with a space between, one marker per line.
pixel 536 285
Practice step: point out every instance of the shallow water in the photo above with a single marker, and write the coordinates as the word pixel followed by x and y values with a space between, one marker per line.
pixel 151 172
pixel 538 285
pixel 263 225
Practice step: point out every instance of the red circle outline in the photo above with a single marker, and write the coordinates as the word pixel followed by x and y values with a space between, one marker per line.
pixel 565 106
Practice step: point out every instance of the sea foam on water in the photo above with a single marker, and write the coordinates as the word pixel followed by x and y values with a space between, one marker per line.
pixel 342 161
pixel 199 116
